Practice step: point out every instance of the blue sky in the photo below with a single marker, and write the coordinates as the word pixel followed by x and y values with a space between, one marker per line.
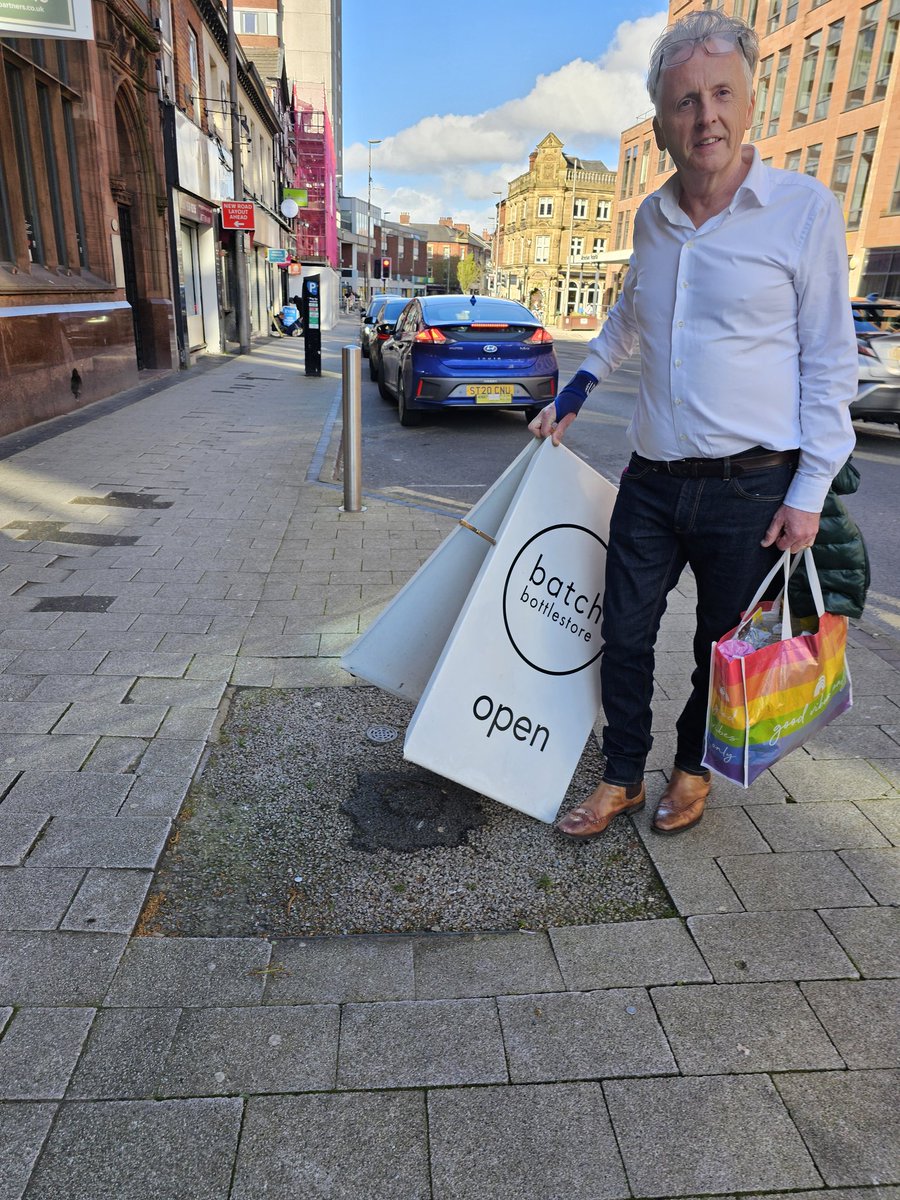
pixel 461 93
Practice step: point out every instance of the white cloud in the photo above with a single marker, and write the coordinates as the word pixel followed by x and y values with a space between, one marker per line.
pixel 598 99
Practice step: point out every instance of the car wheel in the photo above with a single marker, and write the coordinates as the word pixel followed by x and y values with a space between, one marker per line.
pixel 383 390
pixel 532 411
pixel 408 416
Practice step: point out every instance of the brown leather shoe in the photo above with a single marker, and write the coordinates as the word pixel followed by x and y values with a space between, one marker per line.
pixel 605 802
pixel 681 804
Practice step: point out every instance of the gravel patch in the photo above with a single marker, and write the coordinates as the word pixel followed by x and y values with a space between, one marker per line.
pixel 293 828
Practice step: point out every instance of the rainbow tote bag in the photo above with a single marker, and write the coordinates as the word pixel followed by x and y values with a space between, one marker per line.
pixel 774 684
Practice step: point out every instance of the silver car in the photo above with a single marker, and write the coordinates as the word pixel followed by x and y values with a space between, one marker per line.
pixel 878 343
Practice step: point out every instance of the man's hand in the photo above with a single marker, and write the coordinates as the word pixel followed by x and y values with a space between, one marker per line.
pixel 545 424
pixel 792 529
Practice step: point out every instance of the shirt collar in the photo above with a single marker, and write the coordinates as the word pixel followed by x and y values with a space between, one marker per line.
pixel 757 184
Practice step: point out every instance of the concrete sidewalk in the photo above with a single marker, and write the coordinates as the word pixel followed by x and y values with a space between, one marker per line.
pixel 160 553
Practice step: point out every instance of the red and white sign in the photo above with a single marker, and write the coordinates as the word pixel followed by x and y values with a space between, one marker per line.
pixel 238 214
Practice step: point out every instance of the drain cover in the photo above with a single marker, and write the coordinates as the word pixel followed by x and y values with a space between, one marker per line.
pixel 381 734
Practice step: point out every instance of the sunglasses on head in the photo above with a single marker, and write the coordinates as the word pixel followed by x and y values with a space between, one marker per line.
pixel 716 43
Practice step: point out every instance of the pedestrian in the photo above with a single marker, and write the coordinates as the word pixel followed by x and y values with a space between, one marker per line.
pixel 737 295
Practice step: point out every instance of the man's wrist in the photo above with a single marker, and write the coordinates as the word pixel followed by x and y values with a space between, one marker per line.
pixel 574 394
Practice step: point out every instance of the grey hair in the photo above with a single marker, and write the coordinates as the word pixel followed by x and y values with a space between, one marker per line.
pixel 696 26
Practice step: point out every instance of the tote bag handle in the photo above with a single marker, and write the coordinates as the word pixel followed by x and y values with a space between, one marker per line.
pixel 785 565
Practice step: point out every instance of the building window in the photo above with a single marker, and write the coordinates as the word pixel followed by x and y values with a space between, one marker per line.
pixel 542 248
pixel 33 229
pixel 645 163
pixel 599 245
pixel 166 53
pixel 193 65
pixel 888 46
pixel 762 97
pixel 52 167
pixel 774 15
pixel 579 209
pixel 807 77
pixel 7 253
pixel 784 60
pixel 75 181
pixel 626 166
pixel 791 11
pixel 602 210
pixel 619 219
pixel 829 67
pixel 545 206
pixel 843 161
pixel 813 154
pixel 261 21
pixel 863 54
pixel 661 162
pixel 817 3
pixel 752 7
pixel 576 249
pixel 864 167
pixel 894 205
pixel 792 160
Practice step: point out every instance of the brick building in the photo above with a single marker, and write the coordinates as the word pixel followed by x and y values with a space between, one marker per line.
pixel 85 294
pixel 552 228
pixel 447 242
pixel 827 103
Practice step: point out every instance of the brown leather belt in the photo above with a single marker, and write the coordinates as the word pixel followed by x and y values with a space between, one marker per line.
pixel 722 468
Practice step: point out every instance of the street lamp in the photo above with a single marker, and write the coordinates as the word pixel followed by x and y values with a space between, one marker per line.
pixel 370 232
pixel 496 252
pixel 565 303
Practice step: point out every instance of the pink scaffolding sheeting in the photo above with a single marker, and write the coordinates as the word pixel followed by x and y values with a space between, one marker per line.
pixel 316 170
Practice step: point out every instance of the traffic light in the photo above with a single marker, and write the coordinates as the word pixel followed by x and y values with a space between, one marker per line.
pixel 385 268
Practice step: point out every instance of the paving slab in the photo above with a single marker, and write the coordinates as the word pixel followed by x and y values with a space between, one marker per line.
pixel 18 833
pixel 876 1193
pixel 741 1137
pixel 732 1029
pixel 759 947
pixel 125 1053
pixel 29 717
pixel 115 755
pixel 5 1014
pixel 583 1035
pixel 421 1043
pixel 629 954
pixel 156 794
pixel 884 815
pixel 343 1147
pixel 68 793
pixel 340 970
pixel 528 1142
pixel 23 1128
pixel 468 965
pixel 101 842
pixel 809 780
pixel 827 826
pixel 39 1051
pixel 49 968
pixel 241 1051
pixel 32 898
pixel 764 790
pixel 139 1150
pixel 852 741
pixel 814 879
pixel 103 719
pixel 196 693
pixel 878 871
pixel 45 752
pixel 862 1018
pixel 108 901
pixel 55 662
pixel 696 885
pixel 171 756
pixel 187 972
pixel 850 1120
pixel 870 936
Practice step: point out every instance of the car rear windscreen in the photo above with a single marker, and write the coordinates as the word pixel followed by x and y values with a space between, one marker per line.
pixel 459 310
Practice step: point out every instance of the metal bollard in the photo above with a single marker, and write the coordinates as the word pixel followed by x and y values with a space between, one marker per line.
pixel 351 410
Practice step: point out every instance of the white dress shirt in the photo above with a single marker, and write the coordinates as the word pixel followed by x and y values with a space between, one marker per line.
pixel 744 326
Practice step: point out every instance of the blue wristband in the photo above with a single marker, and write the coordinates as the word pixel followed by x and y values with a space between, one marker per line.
pixel 574 394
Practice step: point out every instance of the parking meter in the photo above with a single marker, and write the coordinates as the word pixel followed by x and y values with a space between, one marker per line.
pixel 312 333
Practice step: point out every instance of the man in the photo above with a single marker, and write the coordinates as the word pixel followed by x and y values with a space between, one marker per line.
pixel 737 295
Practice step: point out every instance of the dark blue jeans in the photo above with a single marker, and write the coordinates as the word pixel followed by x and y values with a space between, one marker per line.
pixel 659 524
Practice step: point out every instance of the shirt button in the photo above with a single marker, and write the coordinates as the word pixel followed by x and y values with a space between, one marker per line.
pixel 683 438
pixel 681 324
pixel 684 283
pixel 677 399
pixel 677 362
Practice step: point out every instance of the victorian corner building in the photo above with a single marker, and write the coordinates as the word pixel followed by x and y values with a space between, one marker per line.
pixel 828 104
pixel 118 150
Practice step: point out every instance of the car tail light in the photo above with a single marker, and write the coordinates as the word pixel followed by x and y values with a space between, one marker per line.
pixel 540 336
pixel 489 325
pixel 383 337
pixel 865 349
pixel 430 334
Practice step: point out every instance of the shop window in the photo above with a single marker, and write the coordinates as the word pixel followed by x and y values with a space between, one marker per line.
pixel 888 48
pixel 829 68
pixel 863 170
pixel 862 55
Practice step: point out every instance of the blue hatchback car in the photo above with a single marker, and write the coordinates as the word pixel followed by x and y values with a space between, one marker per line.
pixel 467 352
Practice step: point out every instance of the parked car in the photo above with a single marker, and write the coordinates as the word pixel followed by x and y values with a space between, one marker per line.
pixel 367 320
pixel 382 328
pixel 878 343
pixel 467 352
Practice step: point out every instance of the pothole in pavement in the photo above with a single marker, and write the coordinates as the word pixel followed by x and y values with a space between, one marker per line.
pixel 300 825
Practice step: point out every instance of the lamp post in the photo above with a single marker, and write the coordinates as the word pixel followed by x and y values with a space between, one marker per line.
pixel 241 278
pixel 565 303
pixel 496 251
pixel 370 232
